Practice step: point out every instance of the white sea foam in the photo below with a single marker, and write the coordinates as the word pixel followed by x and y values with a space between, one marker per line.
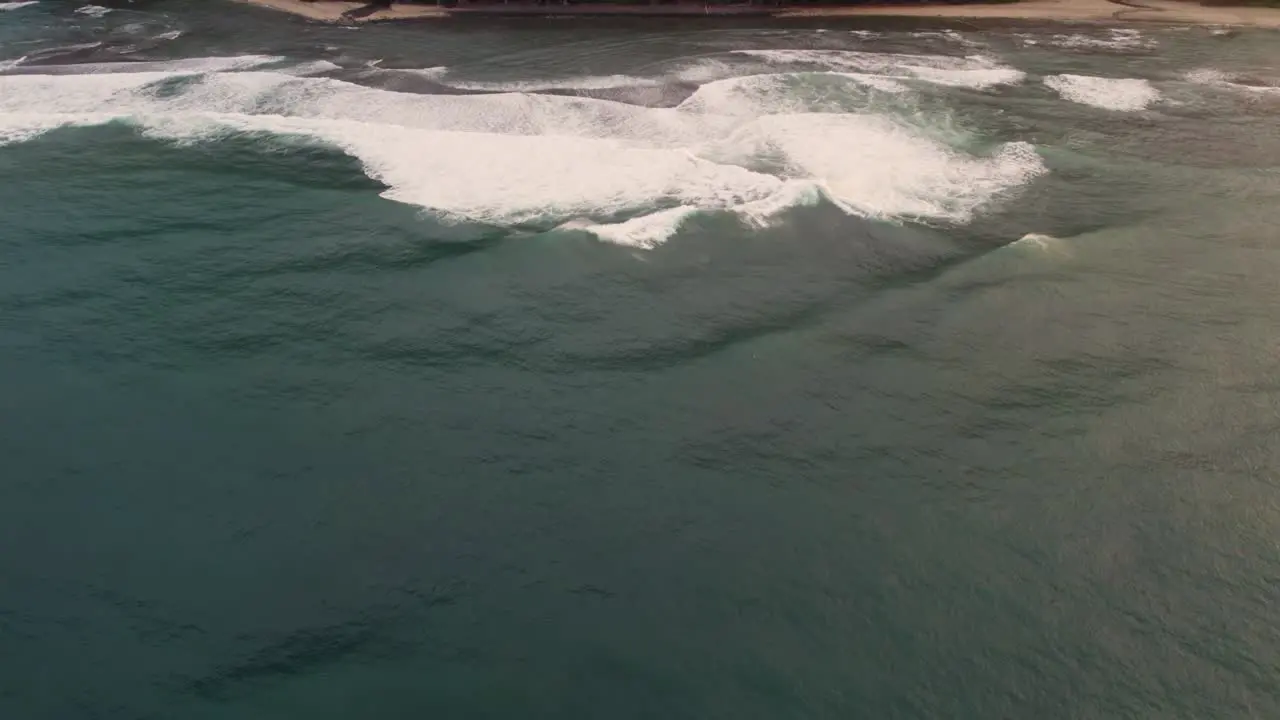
pixel 878 167
pixel 632 174
pixel 778 93
pixel 434 73
pixel 499 114
pixel 35 95
pixel 17 133
pixel 646 231
pixel 591 82
pixel 792 194
pixel 93 10
pixel 11 64
pixel 1124 94
pixel 948 35
pixel 171 35
pixel 1039 243
pixel 1207 76
pixel 184 66
pixel 314 67
pixel 974 72
pixel 978 78
pixel 1114 39
pixel 1217 78
pixel 5 6
pixel 18 127
pixel 877 82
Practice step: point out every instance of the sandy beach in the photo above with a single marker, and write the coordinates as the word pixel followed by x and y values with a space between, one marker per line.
pixel 1161 11
pixel 1165 11
pixel 334 10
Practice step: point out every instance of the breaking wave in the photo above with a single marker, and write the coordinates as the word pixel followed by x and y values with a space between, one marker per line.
pixel 1123 94
pixel 753 146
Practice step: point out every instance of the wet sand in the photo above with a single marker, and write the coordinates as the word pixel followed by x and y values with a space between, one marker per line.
pixel 1163 11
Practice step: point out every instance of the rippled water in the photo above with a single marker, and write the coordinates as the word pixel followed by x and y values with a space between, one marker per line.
pixel 635 369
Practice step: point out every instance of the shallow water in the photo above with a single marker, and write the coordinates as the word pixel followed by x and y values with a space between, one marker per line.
pixel 635 369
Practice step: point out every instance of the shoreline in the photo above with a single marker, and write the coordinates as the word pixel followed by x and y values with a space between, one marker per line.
pixel 1178 12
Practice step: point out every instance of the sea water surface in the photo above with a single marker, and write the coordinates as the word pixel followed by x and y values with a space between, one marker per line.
pixel 636 369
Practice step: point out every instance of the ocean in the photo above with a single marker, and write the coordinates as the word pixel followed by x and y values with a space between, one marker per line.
pixel 636 368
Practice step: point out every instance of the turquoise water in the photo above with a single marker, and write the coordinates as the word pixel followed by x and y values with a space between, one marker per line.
pixel 603 369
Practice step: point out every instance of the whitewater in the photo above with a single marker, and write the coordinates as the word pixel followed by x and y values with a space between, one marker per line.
pixel 764 132
pixel 752 133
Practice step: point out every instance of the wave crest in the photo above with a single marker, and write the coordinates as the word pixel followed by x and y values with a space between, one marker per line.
pixel 630 174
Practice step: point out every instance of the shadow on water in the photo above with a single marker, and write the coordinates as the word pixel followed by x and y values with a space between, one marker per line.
pixel 235 166
pixel 830 258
